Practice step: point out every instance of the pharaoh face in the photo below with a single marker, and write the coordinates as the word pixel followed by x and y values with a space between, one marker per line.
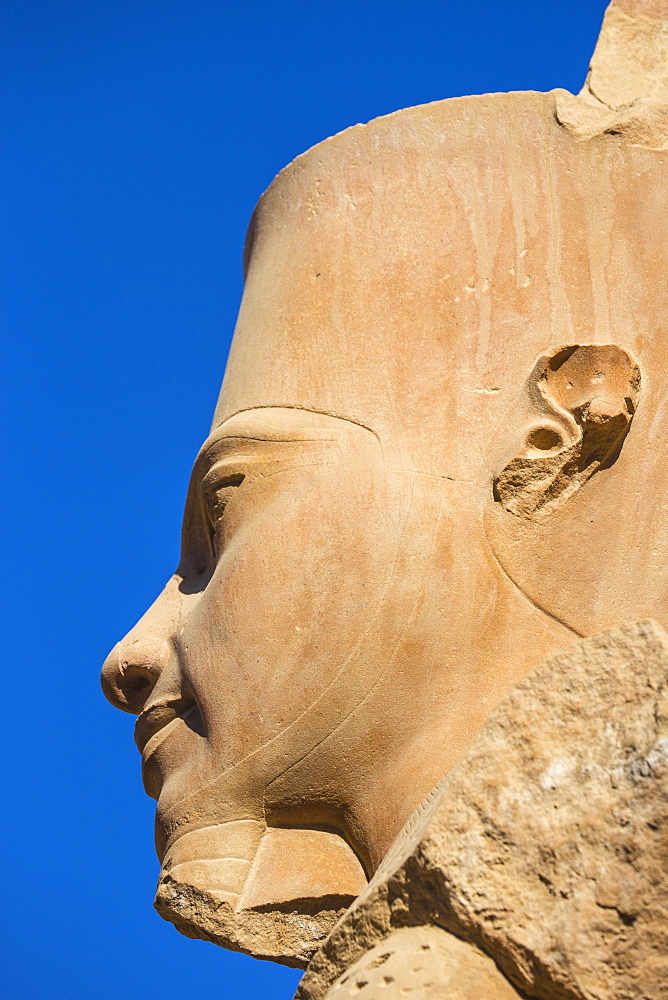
pixel 271 676
pixel 242 665
pixel 441 405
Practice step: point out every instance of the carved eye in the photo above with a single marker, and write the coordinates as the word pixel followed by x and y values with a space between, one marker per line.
pixel 217 491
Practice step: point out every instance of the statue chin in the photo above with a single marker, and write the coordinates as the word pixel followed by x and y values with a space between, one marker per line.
pixel 271 892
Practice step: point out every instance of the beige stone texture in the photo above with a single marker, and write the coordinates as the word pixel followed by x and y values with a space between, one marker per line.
pixel 426 963
pixel 626 90
pixel 547 846
pixel 630 63
pixel 439 457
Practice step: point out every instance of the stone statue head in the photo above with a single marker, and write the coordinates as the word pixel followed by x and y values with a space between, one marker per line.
pixel 444 412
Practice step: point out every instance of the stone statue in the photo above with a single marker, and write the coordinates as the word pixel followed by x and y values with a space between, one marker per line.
pixel 438 460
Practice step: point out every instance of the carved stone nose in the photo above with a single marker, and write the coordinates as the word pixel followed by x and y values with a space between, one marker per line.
pixel 130 673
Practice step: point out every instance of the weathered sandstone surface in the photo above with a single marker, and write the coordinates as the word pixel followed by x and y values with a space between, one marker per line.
pixel 546 848
pixel 438 459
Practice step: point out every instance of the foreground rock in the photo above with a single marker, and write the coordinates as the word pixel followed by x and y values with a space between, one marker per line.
pixel 546 848
pixel 427 963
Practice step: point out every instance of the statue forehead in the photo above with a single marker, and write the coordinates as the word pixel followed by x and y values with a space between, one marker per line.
pixel 406 274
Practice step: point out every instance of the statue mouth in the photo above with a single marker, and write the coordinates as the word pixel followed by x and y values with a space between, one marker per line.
pixel 155 722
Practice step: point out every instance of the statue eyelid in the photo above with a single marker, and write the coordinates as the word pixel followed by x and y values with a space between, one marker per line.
pixel 213 484
pixel 216 481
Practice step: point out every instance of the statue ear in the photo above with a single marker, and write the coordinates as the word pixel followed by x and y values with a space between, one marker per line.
pixel 581 401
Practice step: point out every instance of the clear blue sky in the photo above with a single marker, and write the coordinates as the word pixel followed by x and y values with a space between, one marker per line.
pixel 137 136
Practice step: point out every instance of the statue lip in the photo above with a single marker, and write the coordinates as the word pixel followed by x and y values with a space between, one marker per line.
pixel 156 718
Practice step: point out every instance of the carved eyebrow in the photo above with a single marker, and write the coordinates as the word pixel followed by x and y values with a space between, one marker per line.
pixel 252 435
pixel 223 444
pixel 252 415
pixel 271 438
